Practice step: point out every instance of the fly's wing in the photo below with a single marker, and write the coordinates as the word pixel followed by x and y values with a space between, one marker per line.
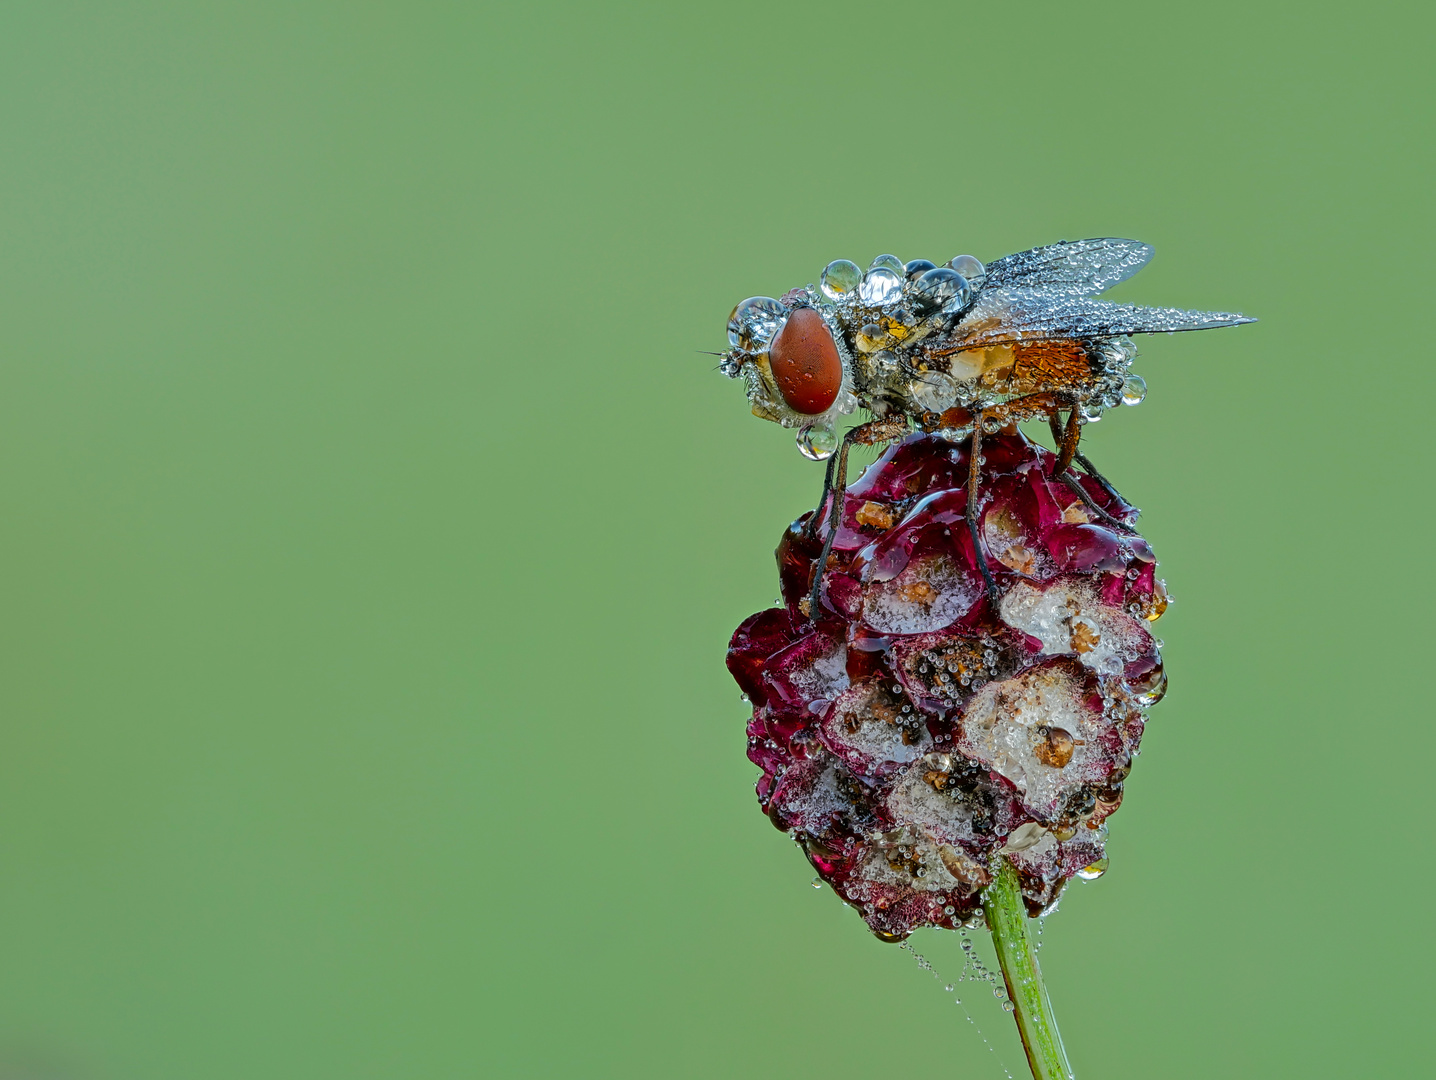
pixel 1069 268
pixel 1005 316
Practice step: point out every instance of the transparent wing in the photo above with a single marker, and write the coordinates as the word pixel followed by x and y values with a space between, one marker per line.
pixel 1070 268
pixel 1013 315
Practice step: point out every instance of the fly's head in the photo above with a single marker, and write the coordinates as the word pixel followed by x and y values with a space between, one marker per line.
pixel 818 354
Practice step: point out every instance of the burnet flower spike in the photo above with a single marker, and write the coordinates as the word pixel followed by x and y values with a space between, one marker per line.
pixel 948 702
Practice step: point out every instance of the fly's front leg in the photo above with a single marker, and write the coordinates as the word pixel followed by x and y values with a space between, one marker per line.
pixel 815 520
pixel 869 434
pixel 974 481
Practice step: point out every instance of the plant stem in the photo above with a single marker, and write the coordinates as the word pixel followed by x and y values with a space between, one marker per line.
pixel 1007 916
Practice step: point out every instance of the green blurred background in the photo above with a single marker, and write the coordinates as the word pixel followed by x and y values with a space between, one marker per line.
pixel 372 531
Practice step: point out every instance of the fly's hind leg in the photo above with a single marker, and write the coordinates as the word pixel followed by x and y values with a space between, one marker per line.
pixel 836 486
pixel 974 479
pixel 1067 440
pixel 1091 471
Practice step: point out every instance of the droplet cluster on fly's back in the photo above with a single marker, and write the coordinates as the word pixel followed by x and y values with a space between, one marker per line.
pixel 953 345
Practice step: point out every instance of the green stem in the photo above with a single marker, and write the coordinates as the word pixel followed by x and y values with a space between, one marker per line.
pixel 1007 916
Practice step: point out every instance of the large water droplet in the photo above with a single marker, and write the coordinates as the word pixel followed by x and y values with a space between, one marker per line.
pixel 754 322
pixel 1150 688
pixel 817 443
pixel 940 289
pixel 934 391
pixel 1134 389
pixel 890 262
pixel 881 285
pixel 968 267
pixel 1093 871
pixel 840 277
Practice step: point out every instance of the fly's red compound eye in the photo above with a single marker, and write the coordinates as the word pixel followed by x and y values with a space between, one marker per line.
pixel 805 363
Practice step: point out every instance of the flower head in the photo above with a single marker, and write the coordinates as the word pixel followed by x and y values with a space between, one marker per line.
pixel 916 729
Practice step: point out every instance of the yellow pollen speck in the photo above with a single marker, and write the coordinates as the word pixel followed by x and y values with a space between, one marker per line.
pixel 918 592
pixel 1085 637
pixel 874 514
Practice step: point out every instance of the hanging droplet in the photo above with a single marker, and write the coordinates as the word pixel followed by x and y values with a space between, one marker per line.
pixel 881 285
pixel 817 443
pixel 890 262
pixel 840 277
pixel 933 390
pixel 1134 389
pixel 1093 871
pixel 1160 600
pixel 968 267
pixel 1150 687
pixel 1090 413
pixel 754 321
pixel 1119 353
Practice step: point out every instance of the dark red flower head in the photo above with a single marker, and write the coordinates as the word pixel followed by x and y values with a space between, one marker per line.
pixel 916 731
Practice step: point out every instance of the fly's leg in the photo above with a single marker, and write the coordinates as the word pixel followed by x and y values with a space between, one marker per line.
pixel 1061 470
pixel 1054 422
pixel 1091 471
pixel 974 479
pixel 874 431
pixel 1067 447
pixel 814 522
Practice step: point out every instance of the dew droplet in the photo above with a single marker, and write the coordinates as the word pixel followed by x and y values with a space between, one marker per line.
pixel 889 262
pixel 968 267
pixel 1094 870
pixel 933 391
pixel 940 289
pixel 754 322
pixel 872 338
pixel 880 286
pixel 840 277
pixel 1151 687
pixel 1134 389
pixel 817 443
